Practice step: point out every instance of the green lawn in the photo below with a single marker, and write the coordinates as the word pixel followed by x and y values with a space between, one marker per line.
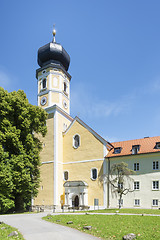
pixel 123 210
pixel 5 230
pixel 112 226
pixel 131 210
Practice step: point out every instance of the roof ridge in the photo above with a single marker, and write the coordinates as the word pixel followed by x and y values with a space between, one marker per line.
pixel 136 139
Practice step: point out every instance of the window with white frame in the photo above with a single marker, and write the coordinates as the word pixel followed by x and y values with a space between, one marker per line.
pixel 137 202
pixel 155 165
pixel 94 173
pixel 76 141
pixel 120 202
pixel 136 166
pixel 155 185
pixel 155 202
pixel 65 175
pixel 120 185
pixel 135 149
pixel 136 185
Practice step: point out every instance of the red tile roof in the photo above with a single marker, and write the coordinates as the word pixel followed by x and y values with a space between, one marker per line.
pixel 147 145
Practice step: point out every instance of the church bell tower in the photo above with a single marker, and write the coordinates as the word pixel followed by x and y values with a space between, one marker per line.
pixel 53 78
pixel 54 96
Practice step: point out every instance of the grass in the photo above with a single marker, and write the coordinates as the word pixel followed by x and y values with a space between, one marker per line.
pixel 126 210
pixel 5 230
pixel 123 210
pixel 112 226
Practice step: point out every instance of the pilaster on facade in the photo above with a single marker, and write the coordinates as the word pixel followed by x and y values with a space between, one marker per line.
pixel 55 197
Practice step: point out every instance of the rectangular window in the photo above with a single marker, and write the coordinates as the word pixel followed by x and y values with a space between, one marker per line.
pixel 96 202
pixel 120 185
pixel 155 202
pixel 155 185
pixel 137 202
pixel 120 202
pixel 155 165
pixel 136 166
pixel 136 185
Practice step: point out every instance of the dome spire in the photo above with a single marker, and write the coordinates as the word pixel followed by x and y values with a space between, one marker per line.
pixel 53 53
pixel 54 34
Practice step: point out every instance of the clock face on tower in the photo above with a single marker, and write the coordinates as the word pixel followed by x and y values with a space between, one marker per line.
pixel 43 101
pixel 65 104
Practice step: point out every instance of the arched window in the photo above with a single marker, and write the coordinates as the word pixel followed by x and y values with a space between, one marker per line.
pixel 66 175
pixel 65 87
pixel 76 141
pixel 94 173
pixel 44 83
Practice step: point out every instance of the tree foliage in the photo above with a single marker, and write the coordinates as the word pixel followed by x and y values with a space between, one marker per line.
pixel 20 124
pixel 120 179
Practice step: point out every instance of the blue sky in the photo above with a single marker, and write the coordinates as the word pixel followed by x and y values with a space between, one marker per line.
pixel 115 59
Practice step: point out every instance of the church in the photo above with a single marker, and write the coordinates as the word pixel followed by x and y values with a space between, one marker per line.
pixel 75 157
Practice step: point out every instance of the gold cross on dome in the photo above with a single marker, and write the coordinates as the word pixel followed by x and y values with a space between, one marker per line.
pixel 54 33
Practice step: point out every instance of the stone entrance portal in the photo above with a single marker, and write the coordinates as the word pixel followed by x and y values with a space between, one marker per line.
pixel 76 194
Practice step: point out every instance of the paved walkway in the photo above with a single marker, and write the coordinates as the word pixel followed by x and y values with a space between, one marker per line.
pixel 33 227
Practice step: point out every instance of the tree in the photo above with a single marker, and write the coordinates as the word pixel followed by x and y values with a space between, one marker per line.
pixel 20 125
pixel 120 179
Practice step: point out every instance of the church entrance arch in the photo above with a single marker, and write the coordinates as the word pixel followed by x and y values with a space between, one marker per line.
pixel 76 194
pixel 75 202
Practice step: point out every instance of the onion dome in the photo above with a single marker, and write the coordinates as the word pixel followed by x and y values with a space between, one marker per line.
pixel 53 53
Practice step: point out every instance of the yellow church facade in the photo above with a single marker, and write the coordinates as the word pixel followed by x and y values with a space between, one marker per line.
pixel 75 160
pixel 73 155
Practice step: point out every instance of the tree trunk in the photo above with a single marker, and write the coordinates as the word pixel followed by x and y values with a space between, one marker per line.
pixel 120 198
pixel 19 203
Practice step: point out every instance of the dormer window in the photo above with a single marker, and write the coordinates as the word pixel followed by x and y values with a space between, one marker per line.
pixel 135 149
pixel 117 150
pixel 44 83
pixel 157 145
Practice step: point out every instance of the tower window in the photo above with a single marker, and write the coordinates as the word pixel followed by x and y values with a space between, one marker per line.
pixel 44 83
pixel 76 141
pixel 65 87
pixel 94 173
pixel 64 127
pixel 66 175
